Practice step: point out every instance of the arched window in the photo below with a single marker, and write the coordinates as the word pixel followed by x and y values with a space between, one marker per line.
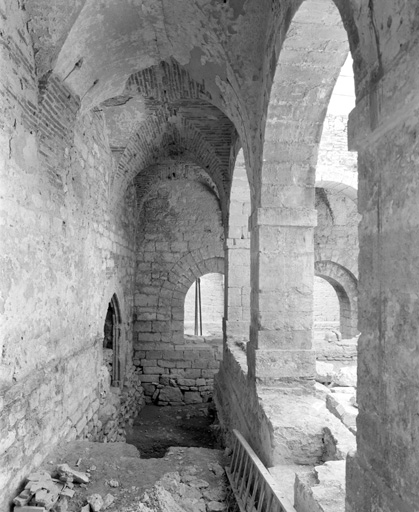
pixel 111 341
pixel 204 306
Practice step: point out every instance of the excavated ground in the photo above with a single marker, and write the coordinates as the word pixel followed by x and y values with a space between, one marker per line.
pixel 158 428
pixel 126 472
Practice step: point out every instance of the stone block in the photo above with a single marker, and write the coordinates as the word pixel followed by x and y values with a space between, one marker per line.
pixel 186 382
pixel 149 362
pixel 192 374
pixel 323 490
pixel 153 370
pixel 166 364
pixel 31 508
pixel 209 373
pixel 150 378
pixel 183 364
pixel 170 394
pixel 325 372
pixel 346 377
pixel 201 364
pixel 192 397
pixel 154 354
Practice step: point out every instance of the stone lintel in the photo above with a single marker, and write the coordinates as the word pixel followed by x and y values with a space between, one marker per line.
pixel 390 102
pixel 279 216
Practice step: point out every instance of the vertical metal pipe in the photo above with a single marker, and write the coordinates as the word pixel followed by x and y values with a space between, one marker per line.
pixel 196 308
pixel 200 306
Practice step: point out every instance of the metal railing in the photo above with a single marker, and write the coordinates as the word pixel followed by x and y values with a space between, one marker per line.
pixel 254 488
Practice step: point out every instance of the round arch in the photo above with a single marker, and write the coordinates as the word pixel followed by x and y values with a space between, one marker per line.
pixel 345 285
pixel 204 306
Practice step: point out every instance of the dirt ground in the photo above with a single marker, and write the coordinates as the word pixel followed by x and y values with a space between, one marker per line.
pixel 158 428
pixel 119 468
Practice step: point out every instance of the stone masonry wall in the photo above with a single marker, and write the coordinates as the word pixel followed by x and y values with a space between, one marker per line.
pixel 238 321
pixel 336 234
pixel 64 255
pixel 180 238
pixel 326 304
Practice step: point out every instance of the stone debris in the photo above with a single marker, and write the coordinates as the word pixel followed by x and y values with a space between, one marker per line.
pixel 216 469
pixel 108 500
pixel 325 372
pixel 42 492
pixel 96 502
pixel 176 491
pixel 346 377
pixel 183 493
pixel 68 474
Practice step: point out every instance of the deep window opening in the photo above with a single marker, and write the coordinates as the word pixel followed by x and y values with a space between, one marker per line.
pixel 111 342
pixel 204 306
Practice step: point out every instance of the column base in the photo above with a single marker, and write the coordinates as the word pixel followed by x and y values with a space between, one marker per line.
pixel 367 491
pixel 282 368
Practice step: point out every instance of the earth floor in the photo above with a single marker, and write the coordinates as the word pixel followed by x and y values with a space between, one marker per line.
pixel 163 440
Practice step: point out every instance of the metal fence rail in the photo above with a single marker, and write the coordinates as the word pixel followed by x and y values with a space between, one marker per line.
pixel 253 486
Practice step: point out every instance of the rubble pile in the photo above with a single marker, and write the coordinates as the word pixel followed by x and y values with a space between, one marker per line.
pixel 185 492
pixel 44 493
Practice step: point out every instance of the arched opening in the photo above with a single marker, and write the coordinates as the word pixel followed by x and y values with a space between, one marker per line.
pixel 327 310
pixel 345 286
pixel 111 341
pixel 204 306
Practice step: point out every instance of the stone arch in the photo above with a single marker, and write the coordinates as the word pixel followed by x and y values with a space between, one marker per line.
pixel 282 271
pixel 293 128
pixel 346 288
pixel 190 267
pixel 204 306
pixel 345 188
pixel 177 131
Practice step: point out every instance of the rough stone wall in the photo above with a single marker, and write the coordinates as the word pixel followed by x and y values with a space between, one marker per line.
pixel 63 253
pixel 336 234
pixel 180 238
pixel 238 405
pixel 326 304
pixel 326 310
pixel 383 475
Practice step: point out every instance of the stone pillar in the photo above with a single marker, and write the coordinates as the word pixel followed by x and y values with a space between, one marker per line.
pixel 238 311
pixel 383 475
pixel 238 256
pixel 282 250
